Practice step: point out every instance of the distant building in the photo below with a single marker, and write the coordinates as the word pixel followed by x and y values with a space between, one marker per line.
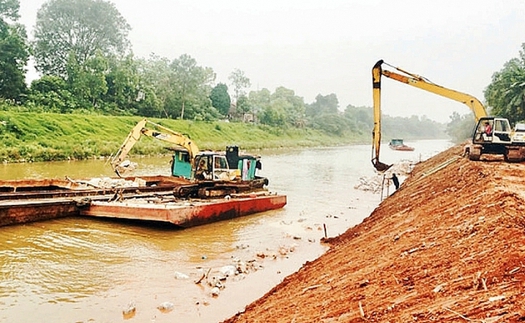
pixel 233 114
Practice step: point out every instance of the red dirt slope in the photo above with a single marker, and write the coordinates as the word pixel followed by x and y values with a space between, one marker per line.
pixel 449 246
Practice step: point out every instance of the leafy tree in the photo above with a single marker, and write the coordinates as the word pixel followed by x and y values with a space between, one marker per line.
pixel 323 104
pixel 323 114
pixel 281 108
pixel 191 89
pixel 88 82
pixel 255 103
pixel 460 127
pixel 243 105
pixel 78 27
pixel 506 93
pixel 124 92
pixel 273 115
pixel 259 100
pixel 239 82
pixel 14 52
pixel 332 123
pixel 51 94
pixel 9 10
pixel 362 118
pixel 363 115
pixel 294 106
pixel 148 103
pixel 155 74
pixel 220 98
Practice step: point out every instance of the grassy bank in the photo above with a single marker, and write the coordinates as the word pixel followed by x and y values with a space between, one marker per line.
pixel 48 137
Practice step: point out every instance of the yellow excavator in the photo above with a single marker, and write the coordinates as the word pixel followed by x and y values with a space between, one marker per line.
pixel 211 173
pixel 497 140
pixel 184 157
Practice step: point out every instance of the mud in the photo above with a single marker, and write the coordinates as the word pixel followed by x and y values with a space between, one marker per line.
pixel 448 246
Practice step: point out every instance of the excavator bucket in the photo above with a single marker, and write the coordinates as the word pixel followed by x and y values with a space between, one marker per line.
pixel 379 166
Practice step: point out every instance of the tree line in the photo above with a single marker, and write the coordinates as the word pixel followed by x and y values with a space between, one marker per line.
pixel 82 52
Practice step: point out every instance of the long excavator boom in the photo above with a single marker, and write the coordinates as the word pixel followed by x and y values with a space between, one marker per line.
pixel 376 132
pixel 417 81
pixel 420 82
pixel 167 135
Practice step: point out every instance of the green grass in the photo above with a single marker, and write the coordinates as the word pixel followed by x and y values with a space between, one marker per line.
pixel 49 137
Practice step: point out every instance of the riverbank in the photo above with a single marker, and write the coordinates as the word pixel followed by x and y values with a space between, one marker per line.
pixel 37 137
pixel 447 247
pixel 137 262
pixel 34 137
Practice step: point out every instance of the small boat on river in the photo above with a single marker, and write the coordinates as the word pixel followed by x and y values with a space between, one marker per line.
pixel 398 144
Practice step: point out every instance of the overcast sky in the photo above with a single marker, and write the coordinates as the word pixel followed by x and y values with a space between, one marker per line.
pixel 329 46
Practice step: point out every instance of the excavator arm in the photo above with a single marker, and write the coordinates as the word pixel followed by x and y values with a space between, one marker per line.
pixel 417 81
pixel 172 137
pixel 131 140
pixel 139 130
pixel 420 82
pixel 376 132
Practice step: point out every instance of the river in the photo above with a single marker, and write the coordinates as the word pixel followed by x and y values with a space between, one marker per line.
pixel 89 270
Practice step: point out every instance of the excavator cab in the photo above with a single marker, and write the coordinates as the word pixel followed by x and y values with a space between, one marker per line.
pixel 493 136
pixel 213 166
pixel 492 130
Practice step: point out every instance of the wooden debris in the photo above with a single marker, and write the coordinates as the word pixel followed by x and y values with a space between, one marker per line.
pixel 413 250
pixel 496 298
pixel 395 278
pixel 458 314
pixel 204 275
pixel 311 287
pixel 198 281
pixel 439 288
pixel 361 310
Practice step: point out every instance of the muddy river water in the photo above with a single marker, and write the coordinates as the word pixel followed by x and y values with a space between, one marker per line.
pixel 90 270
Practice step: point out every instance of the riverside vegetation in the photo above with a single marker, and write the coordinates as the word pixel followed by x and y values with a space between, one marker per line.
pixel 52 137
pixel 34 137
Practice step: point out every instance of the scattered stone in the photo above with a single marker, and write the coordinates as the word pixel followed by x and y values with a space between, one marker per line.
pixel 215 292
pixel 179 275
pixel 165 307
pixel 228 271
pixel 129 310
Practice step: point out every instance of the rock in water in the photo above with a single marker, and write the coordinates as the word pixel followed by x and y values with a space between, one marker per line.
pixel 165 307
pixel 130 310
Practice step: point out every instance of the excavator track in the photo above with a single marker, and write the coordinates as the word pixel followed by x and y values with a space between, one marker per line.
pixel 514 154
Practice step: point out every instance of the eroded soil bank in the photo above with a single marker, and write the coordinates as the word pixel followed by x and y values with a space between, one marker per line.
pixel 448 246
